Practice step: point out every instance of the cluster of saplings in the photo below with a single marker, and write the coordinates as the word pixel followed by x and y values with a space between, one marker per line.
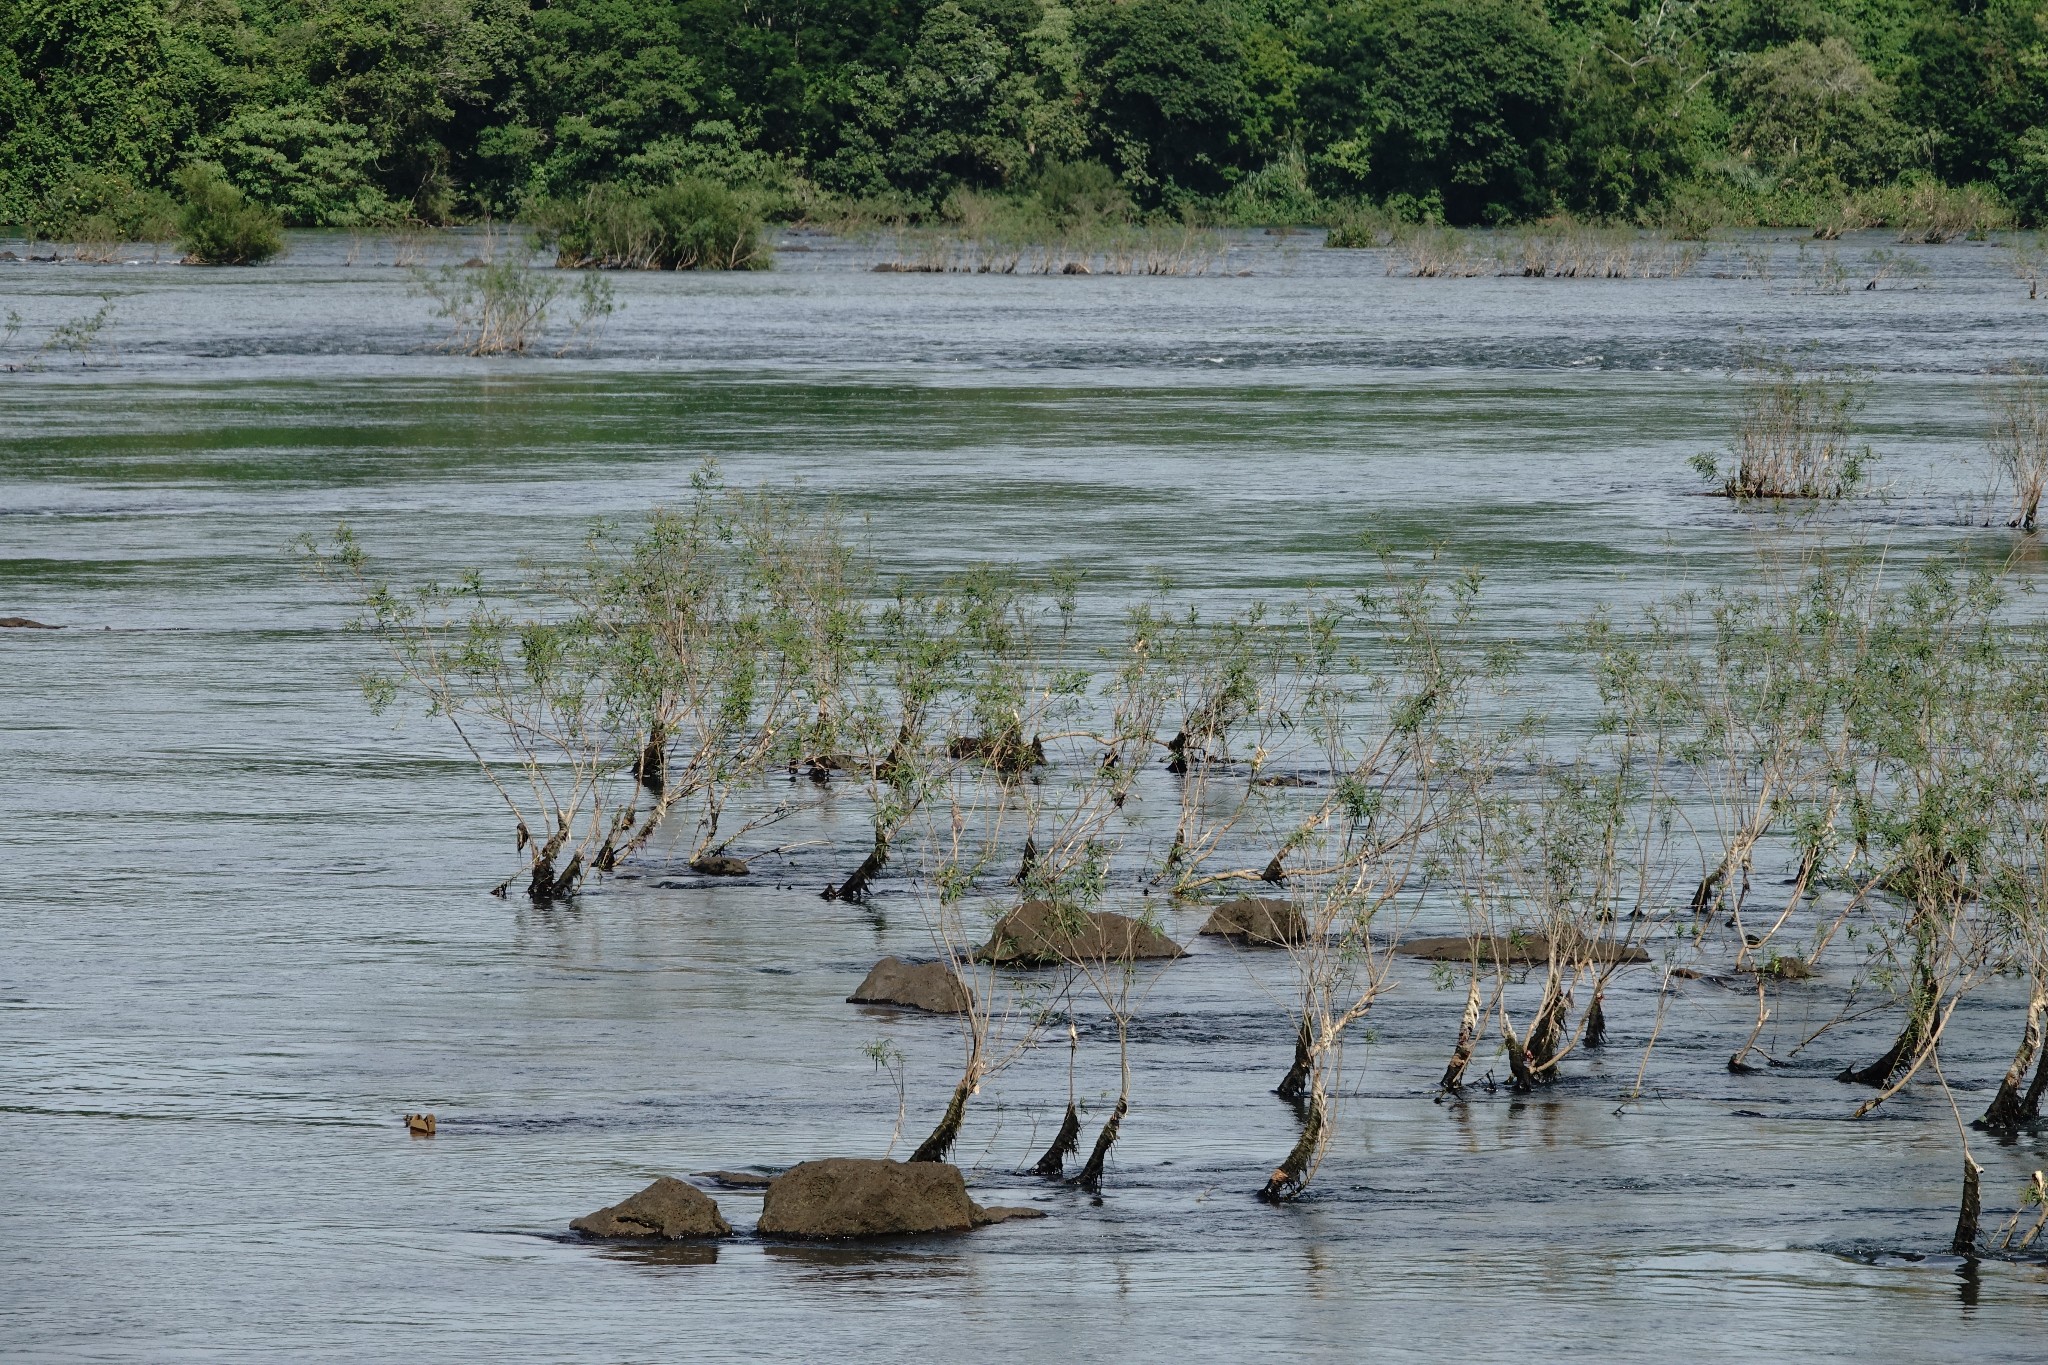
pixel 1833 782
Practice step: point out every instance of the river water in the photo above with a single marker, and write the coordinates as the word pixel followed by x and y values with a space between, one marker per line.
pixel 246 927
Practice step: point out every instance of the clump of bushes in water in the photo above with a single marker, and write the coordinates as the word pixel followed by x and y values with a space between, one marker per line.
pixel 2019 442
pixel 1793 439
pixel 219 225
pixel 100 211
pixel 692 224
pixel 504 306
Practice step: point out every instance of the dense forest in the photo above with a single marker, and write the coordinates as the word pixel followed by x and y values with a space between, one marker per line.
pixel 348 112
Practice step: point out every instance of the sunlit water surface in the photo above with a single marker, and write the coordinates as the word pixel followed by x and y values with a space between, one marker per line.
pixel 246 927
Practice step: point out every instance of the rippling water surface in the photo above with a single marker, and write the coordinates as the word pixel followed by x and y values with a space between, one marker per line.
pixel 245 926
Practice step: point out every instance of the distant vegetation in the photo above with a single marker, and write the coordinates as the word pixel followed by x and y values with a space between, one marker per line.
pixel 612 118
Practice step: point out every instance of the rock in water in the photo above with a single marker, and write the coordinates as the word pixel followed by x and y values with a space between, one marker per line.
pixel 1520 949
pixel 1040 934
pixel 840 1197
pixel 930 986
pixel 1262 920
pixel 1003 1213
pixel 720 865
pixel 23 623
pixel 668 1209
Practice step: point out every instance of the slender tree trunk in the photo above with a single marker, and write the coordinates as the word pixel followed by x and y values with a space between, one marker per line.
pixel 1965 1241
pixel 1090 1178
pixel 935 1147
pixel 1295 1083
pixel 1468 1037
pixel 1546 1031
pixel 1290 1175
pixel 1054 1163
pixel 2007 1111
pixel 1068 1140
pixel 1907 1046
pixel 2030 1107
pixel 855 888
pixel 1703 894
pixel 1596 1020
pixel 1521 1078
pixel 651 768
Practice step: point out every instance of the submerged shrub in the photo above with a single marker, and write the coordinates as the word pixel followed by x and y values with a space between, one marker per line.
pixel 693 224
pixel 219 225
pixel 2019 442
pixel 1793 440
pixel 504 306
pixel 1361 226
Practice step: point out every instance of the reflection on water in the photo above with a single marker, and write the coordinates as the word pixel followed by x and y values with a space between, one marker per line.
pixel 244 923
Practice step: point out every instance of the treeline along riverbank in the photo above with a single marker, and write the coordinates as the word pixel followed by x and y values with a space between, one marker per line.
pixel 1684 113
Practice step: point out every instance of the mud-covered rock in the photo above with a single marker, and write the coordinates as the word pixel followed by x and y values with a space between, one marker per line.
pixel 1041 934
pixel 720 865
pixel 1518 949
pixel 848 1197
pixel 991 1214
pixel 668 1210
pixel 1264 921
pixel 931 986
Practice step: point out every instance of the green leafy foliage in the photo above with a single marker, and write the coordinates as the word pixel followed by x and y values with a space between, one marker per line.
pixel 219 225
pixel 692 224
pixel 350 112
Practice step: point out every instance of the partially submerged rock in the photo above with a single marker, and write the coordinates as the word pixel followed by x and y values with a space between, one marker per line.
pixel 931 986
pixel 737 1180
pixel 668 1210
pixel 23 623
pixel 845 1197
pixel 1517 949
pixel 1265 921
pixel 990 1215
pixel 720 865
pixel 1041 934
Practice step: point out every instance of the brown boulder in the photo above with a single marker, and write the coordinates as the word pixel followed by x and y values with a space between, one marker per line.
pixel 1262 920
pixel 23 623
pixel 1519 949
pixel 720 865
pixel 840 1197
pixel 668 1210
pixel 1040 934
pixel 931 986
